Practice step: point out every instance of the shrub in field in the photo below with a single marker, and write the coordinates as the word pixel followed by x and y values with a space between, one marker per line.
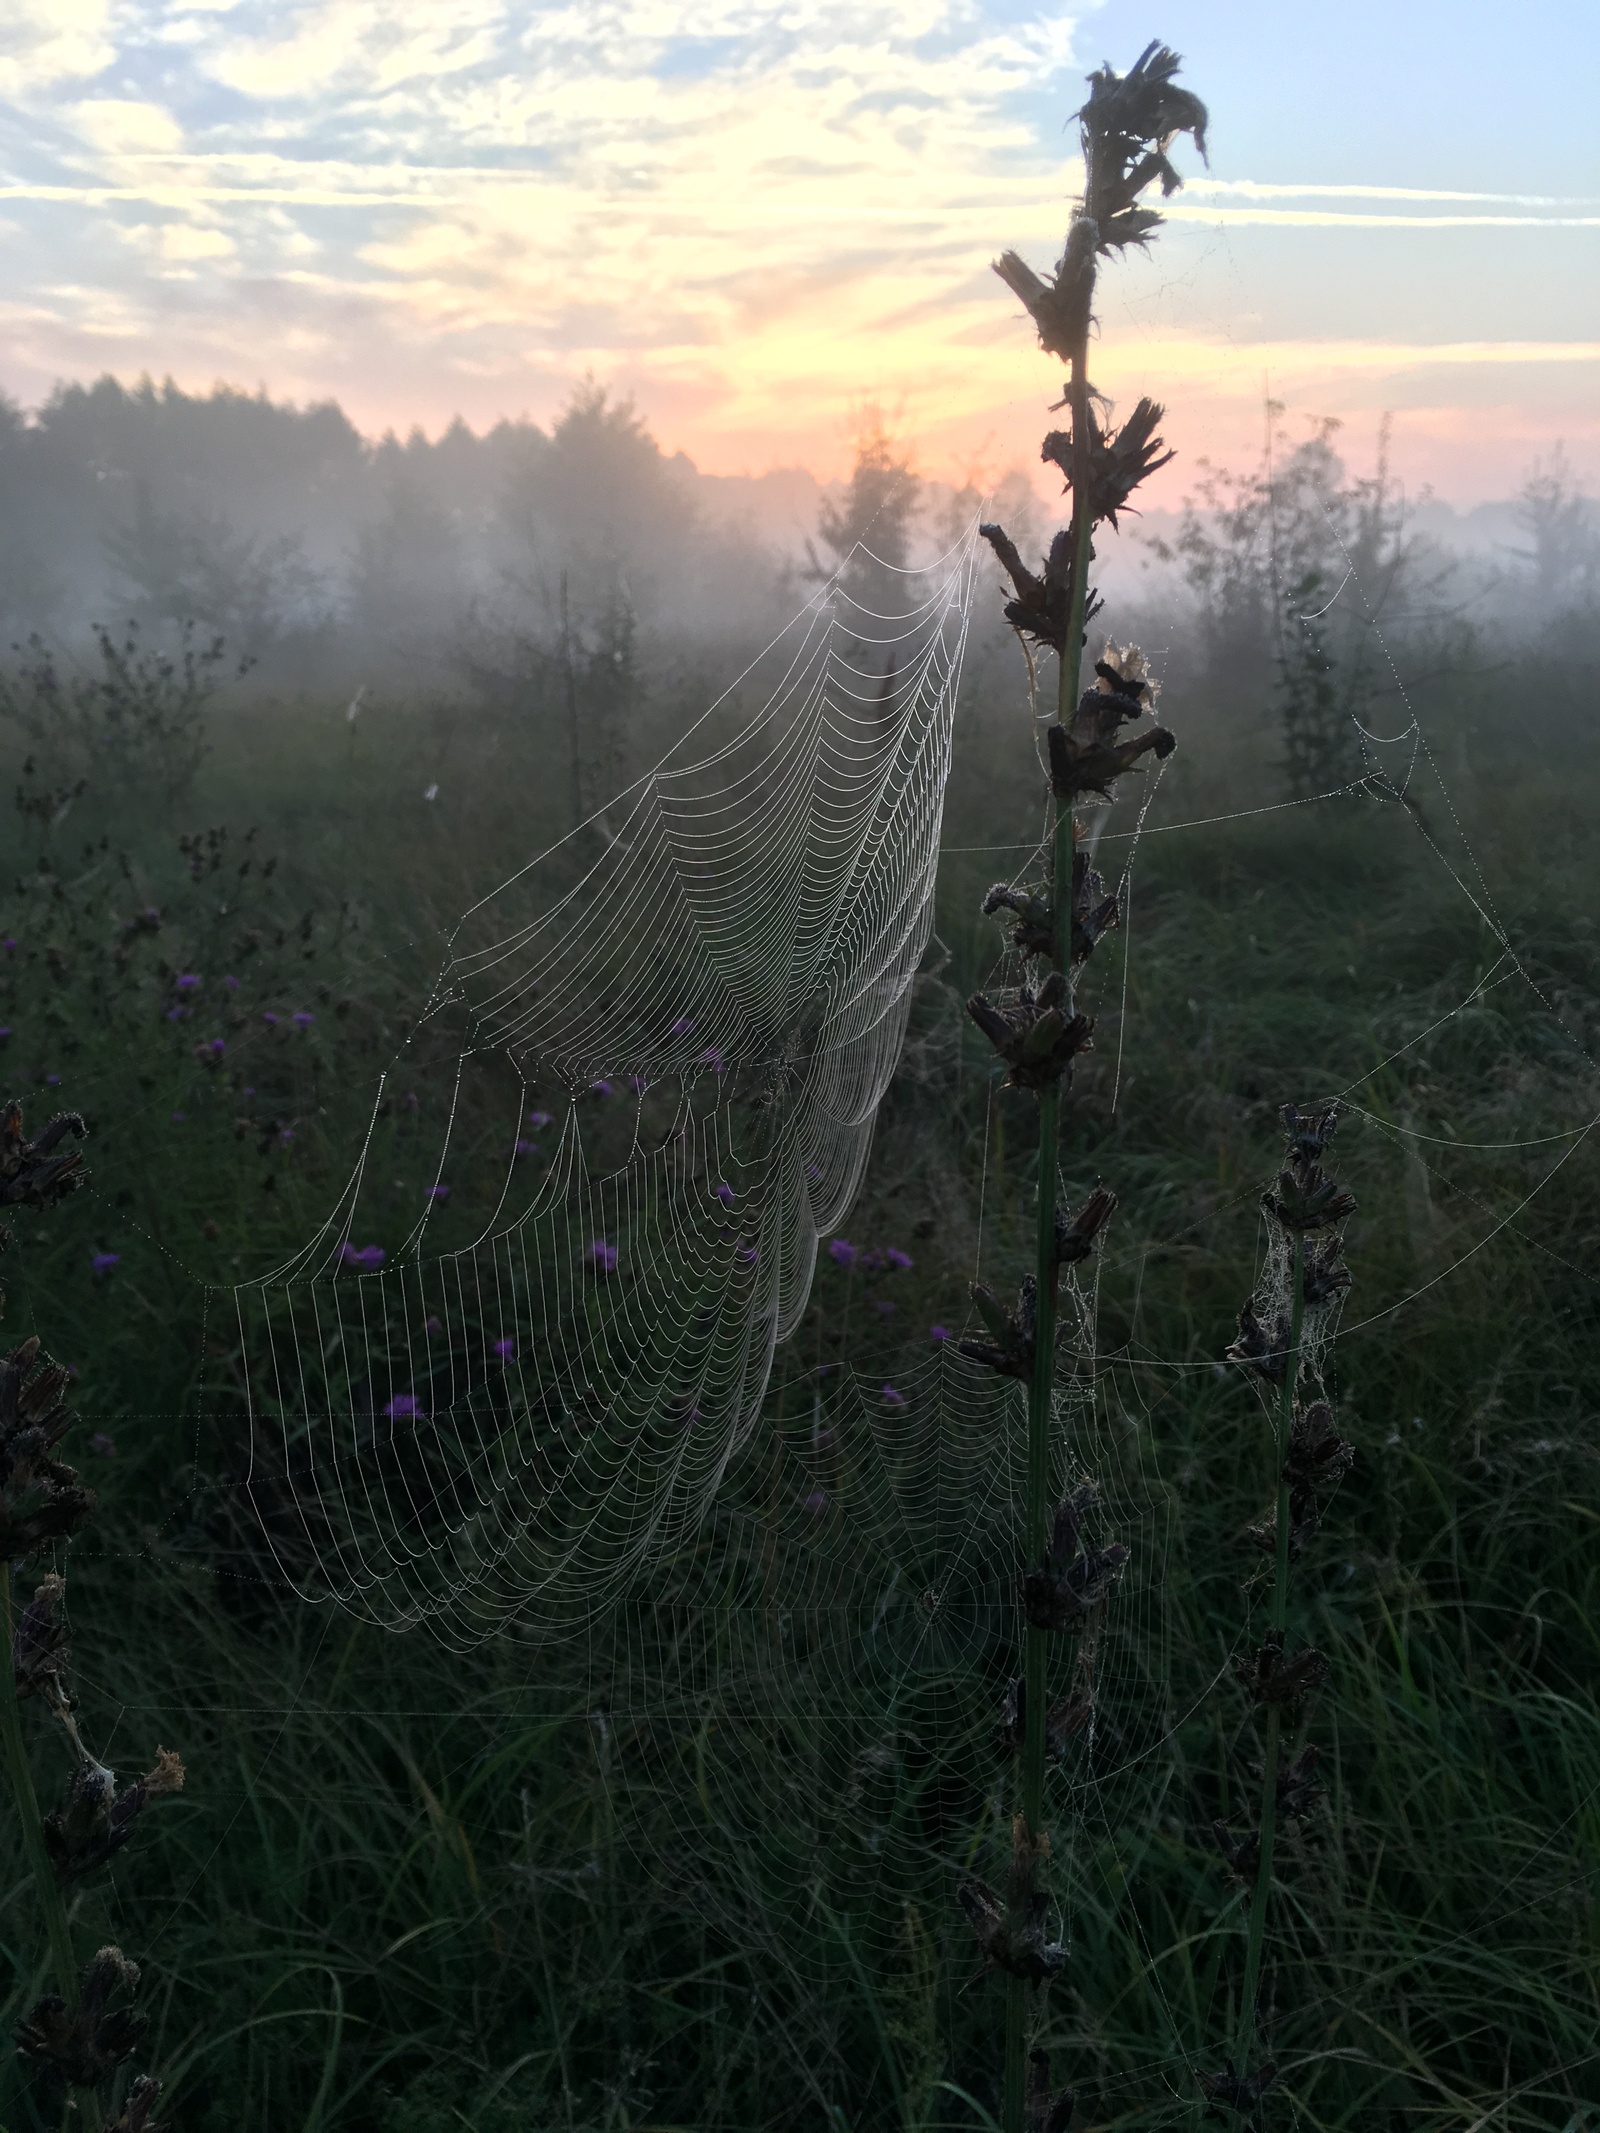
pixel 79 2036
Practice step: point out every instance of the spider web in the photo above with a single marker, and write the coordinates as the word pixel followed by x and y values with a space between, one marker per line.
pixel 696 1003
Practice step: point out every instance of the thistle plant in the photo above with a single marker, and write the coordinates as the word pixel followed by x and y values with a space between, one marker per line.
pixel 1127 127
pixel 80 2035
pixel 1283 1335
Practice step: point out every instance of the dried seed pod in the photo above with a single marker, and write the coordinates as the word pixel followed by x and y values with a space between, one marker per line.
pixel 1011 1933
pixel 1010 1351
pixel 1033 1032
pixel 32 1174
pixel 96 1820
pixel 1274 1678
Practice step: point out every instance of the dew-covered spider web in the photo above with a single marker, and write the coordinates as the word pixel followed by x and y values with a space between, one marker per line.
pixel 673 1031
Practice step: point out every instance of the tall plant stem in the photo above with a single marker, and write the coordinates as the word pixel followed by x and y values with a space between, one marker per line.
pixel 27 1804
pixel 1280 1616
pixel 1041 1392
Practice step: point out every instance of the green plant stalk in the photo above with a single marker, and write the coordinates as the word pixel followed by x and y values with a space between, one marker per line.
pixel 27 1801
pixel 1280 1615
pixel 1041 1392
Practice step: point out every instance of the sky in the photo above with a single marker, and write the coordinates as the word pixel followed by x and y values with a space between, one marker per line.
pixel 764 217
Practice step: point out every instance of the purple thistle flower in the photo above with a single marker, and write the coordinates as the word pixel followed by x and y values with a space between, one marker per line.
pixel 900 1261
pixel 724 1193
pixel 52 1081
pixel 842 1252
pixel 269 1018
pixel 248 1091
pixel 813 1171
pixel 368 1257
pixel 938 1333
pixel 638 1084
pixel 749 1253
pixel 712 1058
pixel 101 1263
pixel 5 1031
pixel 602 1256
pixel 599 1088
pixel 431 1326
pixel 505 1348
pixel 177 1014
pixel 102 1446
pixel 521 1147
pixel 437 1192
pixel 286 1136
pixel 188 981
pixel 816 1503
pixel 218 1047
pixel 893 1398
pixel 541 1118
pixel 9 944
pixel 404 1407
pixel 683 1027
pixel 302 1018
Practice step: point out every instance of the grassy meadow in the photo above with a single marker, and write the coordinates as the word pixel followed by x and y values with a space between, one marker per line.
pixel 407 1890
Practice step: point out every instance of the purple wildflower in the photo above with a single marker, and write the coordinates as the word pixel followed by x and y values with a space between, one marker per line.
pixel 816 1503
pixel 938 1333
pixel 5 1031
pixel 638 1084
pixel 232 984
pixel 178 1117
pixel 368 1257
pixel 52 1081
pixel 541 1118
pixel 749 1253
pixel 813 1171
pixel 178 1014
pixel 724 1193
pixel 900 1261
pixel 404 1407
pixel 102 1446
pixel 302 1018
pixel 892 1397
pixel 9 944
pixel 188 981
pixel 248 1091
pixel 218 1047
pixel 505 1348
pixel 521 1147
pixel 286 1136
pixel 599 1088
pixel 602 1256
pixel 437 1192
pixel 681 1028
pixel 712 1058
pixel 269 1018
pixel 431 1326
pixel 101 1263
pixel 842 1252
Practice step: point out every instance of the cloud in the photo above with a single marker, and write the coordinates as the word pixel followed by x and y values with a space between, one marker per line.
pixel 52 41
pixel 757 214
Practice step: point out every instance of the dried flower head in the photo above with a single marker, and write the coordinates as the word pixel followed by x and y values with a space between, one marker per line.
pixel 86 2044
pixel 1093 913
pixel 1243 1854
pixel 96 1820
pixel 1075 1236
pixel 32 1174
pixel 1274 1677
pixel 41 1499
pixel 1063 1722
pixel 1064 1591
pixel 136 2115
pixel 1012 1933
pixel 1087 757
pixel 1033 1031
pixel 1010 1349
pixel 1042 605
pixel 1319 1458
pixel 1119 460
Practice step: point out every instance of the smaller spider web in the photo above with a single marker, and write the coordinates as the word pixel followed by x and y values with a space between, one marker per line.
pixel 663 1043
